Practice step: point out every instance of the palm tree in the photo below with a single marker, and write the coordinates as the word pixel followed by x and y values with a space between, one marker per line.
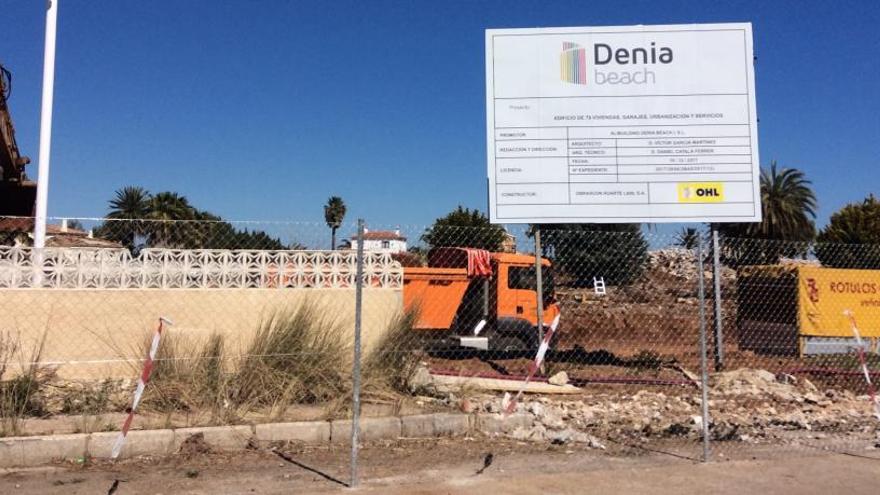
pixel 334 212
pixel 131 202
pixel 788 204
pixel 687 238
pixel 165 210
pixel 130 206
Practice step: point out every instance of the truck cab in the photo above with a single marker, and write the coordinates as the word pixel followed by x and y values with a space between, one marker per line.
pixel 478 299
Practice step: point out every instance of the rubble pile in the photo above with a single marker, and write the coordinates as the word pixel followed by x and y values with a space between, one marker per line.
pixel 677 262
pixel 746 405
pixel 681 263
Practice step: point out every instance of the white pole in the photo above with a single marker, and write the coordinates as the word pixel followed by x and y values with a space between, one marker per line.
pixel 46 124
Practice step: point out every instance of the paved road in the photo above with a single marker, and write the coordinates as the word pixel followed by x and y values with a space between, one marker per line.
pixel 448 467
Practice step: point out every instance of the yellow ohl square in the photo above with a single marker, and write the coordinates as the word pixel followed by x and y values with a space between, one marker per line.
pixel 700 192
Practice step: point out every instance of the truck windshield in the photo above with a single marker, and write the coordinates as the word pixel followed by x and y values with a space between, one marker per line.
pixel 525 278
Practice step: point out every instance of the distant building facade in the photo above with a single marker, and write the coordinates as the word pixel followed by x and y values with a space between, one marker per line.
pixel 508 245
pixel 379 241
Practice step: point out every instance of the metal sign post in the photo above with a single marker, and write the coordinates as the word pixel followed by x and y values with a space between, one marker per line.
pixel 716 277
pixel 704 381
pixel 539 285
pixel 356 367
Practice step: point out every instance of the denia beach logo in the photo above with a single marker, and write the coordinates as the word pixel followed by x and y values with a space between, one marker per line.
pixel 573 63
pixel 613 65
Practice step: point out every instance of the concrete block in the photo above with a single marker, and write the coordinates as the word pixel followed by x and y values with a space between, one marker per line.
pixel 138 442
pixel 11 454
pixel 45 449
pixel 371 429
pixel 417 426
pixel 340 431
pixel 304 431
pixel 380 428
pixel 218 437
pixel 497 423
pixel 450 424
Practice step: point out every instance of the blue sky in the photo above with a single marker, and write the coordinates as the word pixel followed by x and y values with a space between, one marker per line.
pixel 261 110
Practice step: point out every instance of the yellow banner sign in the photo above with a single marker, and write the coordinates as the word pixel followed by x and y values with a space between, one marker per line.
pixel 700 192
pixel 825 293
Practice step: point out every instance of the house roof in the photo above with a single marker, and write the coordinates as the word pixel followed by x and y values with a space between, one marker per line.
pixel 381 235
pixel 26 224
pixel 52 229
pixel 81 241
pixel 16 224
pixel 55 236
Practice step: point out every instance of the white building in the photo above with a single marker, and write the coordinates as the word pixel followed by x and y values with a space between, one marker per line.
pixel 382 241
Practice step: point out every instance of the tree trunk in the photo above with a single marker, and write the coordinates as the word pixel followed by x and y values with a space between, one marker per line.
pixel 333 239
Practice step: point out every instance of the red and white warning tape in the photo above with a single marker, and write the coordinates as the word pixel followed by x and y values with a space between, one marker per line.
pixel 510 405
pixel 863 362
pixel 142 384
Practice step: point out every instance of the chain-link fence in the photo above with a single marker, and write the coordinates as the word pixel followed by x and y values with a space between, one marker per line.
pixel 796 344
pixel 265 317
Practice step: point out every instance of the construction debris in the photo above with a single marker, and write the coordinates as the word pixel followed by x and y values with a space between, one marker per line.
pixel 446 384
pixel 560 379
pixel 747 405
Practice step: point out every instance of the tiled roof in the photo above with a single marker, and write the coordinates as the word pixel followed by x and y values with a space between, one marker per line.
pixel 381 235
pixel 55 237
pixel 63 240
pixel 25 224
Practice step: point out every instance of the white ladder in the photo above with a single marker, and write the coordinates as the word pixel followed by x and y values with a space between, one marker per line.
pixel 599 286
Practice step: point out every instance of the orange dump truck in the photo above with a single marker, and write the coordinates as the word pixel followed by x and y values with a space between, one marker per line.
pixel 474 298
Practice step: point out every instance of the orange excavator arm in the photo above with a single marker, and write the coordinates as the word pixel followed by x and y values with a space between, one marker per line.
pixel 17 193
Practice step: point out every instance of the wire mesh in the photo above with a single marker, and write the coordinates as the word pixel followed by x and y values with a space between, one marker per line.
pixel 800 327
pixel 264 315
pixel 623 365
pixel 263 318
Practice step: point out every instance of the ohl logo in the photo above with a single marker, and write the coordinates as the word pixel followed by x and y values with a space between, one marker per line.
pixel 700 192
pixel 573 63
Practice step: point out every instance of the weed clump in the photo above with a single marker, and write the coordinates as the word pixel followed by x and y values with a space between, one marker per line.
pixel 296 356
pixel 20 395
pixel 395 357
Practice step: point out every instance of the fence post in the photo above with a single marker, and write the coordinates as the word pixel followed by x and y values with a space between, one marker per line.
pixel 539 285
pixel 704 380
pixel 716 277
pixel 356 366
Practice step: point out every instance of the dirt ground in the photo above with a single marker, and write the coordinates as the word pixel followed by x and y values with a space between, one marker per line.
pixel 449 467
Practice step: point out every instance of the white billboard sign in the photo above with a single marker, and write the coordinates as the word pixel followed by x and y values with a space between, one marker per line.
pixel 622 124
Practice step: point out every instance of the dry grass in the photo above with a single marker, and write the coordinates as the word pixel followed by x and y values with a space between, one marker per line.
pixel 188 375
pixel 20 395
pixel 395 357
pixel 296 357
